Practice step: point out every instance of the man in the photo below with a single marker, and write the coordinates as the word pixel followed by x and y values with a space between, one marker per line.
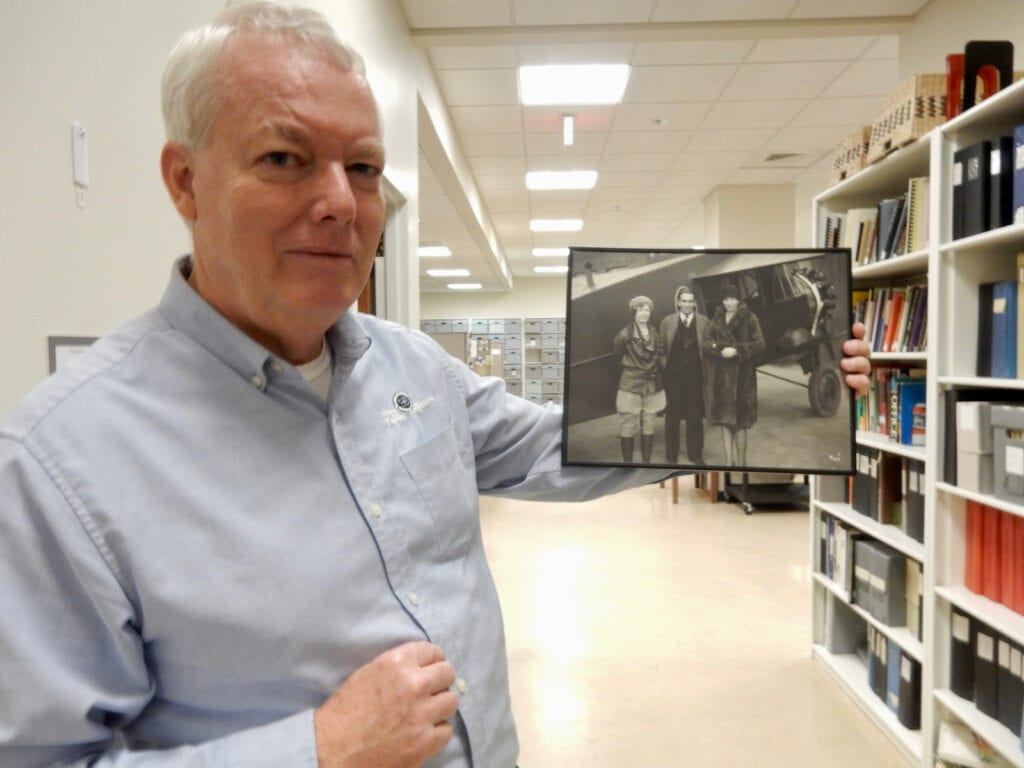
pixel 243 528
pixel 683 332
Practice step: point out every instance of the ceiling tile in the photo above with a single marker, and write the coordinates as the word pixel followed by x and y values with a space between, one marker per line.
pixel 566 161
pixel 866 78
pixel 584 118
pixel 642 117
pixel 492 144
pixel 692 52
pixel 718 141
pixel 753 114
pixel 806 140
pixel 688 83
pixel 629 142
pixel 457 13
pixel 474 57
pixel 635 162
pixel 709 161
pixel 764 176
pixel 488 119
pixel 462 87
pixel 550 143
pixel 826 112
pixel 582 53
pixel 782 80
pixel 497 165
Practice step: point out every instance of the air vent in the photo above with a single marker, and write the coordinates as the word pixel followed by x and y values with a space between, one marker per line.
pixel 775 157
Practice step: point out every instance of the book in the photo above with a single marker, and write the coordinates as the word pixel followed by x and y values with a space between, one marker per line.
pixel 918 216
pixel 974 545
pixel 1004 330
pixel 888 219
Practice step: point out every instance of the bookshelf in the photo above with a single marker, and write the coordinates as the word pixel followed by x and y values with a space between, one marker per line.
pixel 953 270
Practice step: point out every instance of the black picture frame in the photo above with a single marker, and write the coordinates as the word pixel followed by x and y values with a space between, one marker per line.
pixel 803 416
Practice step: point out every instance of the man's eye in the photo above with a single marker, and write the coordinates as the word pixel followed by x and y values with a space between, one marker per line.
pixel 279 159
pixel 364 169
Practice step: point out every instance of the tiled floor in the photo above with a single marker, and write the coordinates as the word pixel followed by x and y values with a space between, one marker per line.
pixel 644 634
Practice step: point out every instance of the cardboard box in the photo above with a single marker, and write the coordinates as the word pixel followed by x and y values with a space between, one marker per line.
pixel 1008 451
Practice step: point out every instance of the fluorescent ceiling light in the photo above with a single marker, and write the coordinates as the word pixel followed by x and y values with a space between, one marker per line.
pixel 561 179
pixel 465 286
pixel 556 225
pixel 429 251
pixel 568 130
pixel 549 84
pixel 541 270
pixel 546 252
pixel 448 272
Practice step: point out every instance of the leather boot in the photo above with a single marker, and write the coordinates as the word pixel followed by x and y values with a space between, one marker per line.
pixel 627 449
pixel 646 446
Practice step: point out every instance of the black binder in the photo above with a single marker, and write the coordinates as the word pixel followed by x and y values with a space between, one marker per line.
pixel 865 482
pixel 986 671
pixel 1010 687
pixel 971 194
pixel 913 509
pixel 961 654
pixel 1000 167
pixel 909 710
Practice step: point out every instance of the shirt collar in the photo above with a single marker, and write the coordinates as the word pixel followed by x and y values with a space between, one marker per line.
pixel 190 314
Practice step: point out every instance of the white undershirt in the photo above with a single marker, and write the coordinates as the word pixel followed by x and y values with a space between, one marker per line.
pixel 317 373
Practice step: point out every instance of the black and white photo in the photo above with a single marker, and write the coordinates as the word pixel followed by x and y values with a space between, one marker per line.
pixel 717 359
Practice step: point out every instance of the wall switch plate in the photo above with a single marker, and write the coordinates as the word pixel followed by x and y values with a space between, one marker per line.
pixel 80 154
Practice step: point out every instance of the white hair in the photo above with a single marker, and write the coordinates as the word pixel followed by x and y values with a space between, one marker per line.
pixel 189 92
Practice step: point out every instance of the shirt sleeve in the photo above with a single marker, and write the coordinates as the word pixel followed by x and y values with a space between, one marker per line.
pixel 72 661
pixel 518 448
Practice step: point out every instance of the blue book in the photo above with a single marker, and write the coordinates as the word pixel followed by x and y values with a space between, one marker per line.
pixel 908 394
pixel 1018 175
pixel 1004 330
pixel 892 682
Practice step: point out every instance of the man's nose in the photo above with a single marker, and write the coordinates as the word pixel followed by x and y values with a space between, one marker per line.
pixel 333 196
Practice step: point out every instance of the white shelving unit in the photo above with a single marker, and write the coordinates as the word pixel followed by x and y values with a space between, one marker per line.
pixel 954 270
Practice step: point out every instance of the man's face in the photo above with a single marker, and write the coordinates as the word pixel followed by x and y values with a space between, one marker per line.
pixel 287 206
pixel 687 303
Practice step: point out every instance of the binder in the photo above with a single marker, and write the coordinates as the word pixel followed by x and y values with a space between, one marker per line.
pixel 913 510
pixel 891 584
pixel 914 580
pixel 1000 189
pixel 890 490
pixel 1008 568
pixel 893 668
pixel 961 654
pixel 1018 174
pixel 1009 685
pixel 991 570
pixel 1018 557
pixel 865 482
pixel 1004 329
pixel 983 367
pixel 971 189
pixel 974 545
pixel 909 710
pixel 986 674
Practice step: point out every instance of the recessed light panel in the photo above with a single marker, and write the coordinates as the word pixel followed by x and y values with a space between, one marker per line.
pixel 551 270
pixel 550 252
pixel 432 251
pixel 550 84
pixel 465 286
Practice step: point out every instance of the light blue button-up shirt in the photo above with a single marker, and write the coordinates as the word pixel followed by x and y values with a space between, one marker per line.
pixel 196 549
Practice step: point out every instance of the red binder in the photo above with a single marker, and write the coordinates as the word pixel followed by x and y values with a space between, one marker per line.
pixel 974 549
pixel 1007 565
pixel 991 570
pixel 1018 564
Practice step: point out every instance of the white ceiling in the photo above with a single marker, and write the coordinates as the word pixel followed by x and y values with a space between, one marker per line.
pixel 716 89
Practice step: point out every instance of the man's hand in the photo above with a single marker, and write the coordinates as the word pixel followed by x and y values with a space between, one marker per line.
pixel 390 713
pixel 856 362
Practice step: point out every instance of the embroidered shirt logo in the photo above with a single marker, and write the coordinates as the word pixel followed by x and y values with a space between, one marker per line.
pixel 404 406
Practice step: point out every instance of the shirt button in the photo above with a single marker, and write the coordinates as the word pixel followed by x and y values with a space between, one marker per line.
pixel 276 367
pixel 256 381
pixel 375 510
pixel 460 685
pixel 414 598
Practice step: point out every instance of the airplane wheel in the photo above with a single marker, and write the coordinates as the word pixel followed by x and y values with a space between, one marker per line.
pixel 825 391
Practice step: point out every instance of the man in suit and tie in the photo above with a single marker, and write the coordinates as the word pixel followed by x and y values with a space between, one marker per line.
pixel 683 332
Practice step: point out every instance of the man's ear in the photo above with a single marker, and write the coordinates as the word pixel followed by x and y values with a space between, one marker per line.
pixel 176 165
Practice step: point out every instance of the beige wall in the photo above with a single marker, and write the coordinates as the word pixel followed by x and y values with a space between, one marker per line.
pixel 81 271
pixel 532 297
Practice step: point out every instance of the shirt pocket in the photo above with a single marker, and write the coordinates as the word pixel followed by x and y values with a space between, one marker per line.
pixel 448 489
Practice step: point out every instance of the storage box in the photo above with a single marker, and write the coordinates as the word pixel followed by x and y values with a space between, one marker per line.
pixel 975 471
pixel 908 113
pixel 974 427
pixel 1008 450
pixel 851 155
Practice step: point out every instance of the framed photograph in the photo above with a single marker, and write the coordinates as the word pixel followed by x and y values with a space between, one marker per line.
pixel 709 359
pixel 65 348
